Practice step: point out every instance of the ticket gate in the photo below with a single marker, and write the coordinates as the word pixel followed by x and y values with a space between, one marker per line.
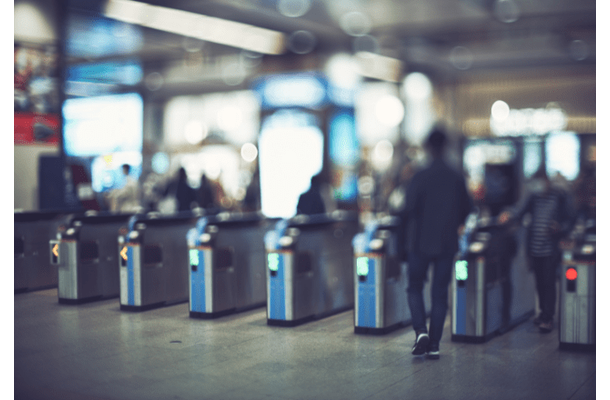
pixel 33 268
pixel 381 280
pixel 493 289
pixel 86 257
pixel 310 267
pixel 154 261
pixel 577 291
pixel 227 264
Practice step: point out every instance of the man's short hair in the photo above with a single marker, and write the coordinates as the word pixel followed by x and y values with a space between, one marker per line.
pixel 437 140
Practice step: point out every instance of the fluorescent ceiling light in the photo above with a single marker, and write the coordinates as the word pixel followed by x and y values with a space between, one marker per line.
pixel 379 67
pixel 198 26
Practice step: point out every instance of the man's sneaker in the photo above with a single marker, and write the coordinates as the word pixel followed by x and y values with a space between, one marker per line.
pixel 537 321
pixel 421 343
pixel 545 327
pixel 432 352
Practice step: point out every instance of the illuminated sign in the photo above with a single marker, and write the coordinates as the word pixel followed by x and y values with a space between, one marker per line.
pixel 55 254
pixel 461 270
pixel 273 260
pixel 123 254
pixel 194 256
pixel 529 121
pixel 362 266
pixel 571 274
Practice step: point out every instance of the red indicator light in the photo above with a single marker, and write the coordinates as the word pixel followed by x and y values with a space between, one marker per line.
pixel 571 274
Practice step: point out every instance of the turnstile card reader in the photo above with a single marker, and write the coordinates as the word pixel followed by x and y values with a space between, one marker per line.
pixel 380 279
pixel 34 269
pixel 86 258
pixel 492 287
pixel 310 267
pixel 577 292
pixel 227 264
pixel 154 261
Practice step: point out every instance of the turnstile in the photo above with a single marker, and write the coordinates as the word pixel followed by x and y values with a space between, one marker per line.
pixel 493 290
pixel 227 264
pixel 86 258
pixel 380 279
pixel 154 261
pixel 33 268
pixel 310 267
pixel 577 291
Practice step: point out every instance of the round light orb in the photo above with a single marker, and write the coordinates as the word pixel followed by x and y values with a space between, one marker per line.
pixel 578 50
pixel 506 11
pixel 194 132
pixel 417 86
pixel 461 58
pixel 249 152
pixel 343 71
pixel 154 81
pixel 293 8
pixel 355 23
pixel 389 110
pixel 382 154
pixel 301 42
pixel 500 110
pixel 160 163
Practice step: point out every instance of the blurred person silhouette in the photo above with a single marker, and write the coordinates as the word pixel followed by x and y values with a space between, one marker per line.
pixel 125 198
pixel 437 204
pixel 311 201
pixel 397 204
pixel 152 191
pixel 206 197
pixel 253 193
pixel 183 193
pixel 551 218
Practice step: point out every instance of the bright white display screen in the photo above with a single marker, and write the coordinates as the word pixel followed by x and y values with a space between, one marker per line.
pixel 103 125
pixel 291 148
pixel 563 155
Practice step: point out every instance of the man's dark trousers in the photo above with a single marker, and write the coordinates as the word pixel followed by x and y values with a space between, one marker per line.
pixel 418 269
pixel 545 270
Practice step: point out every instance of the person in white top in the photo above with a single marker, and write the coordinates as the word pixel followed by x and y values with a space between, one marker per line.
pixel 125 198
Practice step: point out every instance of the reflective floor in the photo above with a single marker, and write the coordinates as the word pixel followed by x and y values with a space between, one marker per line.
pixel 95 351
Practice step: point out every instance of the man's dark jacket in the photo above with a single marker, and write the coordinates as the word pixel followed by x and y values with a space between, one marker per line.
pixel 437 203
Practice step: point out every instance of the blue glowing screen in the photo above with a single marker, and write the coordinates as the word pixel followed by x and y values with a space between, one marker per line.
pixel 292 90
pixel 102 125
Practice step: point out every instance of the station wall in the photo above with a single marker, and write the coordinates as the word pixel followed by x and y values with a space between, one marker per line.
pixel 35 24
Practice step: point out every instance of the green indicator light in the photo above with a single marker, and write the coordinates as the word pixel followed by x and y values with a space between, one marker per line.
pixel 273 259
pixel 362 266
pixel 194 256
pixel 461 270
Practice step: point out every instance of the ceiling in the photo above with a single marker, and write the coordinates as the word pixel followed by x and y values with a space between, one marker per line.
pixel 444 37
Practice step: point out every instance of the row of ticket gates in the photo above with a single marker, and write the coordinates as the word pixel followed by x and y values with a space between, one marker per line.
pixel 301 269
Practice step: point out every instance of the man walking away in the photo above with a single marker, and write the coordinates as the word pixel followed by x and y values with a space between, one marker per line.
pixel 437 205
